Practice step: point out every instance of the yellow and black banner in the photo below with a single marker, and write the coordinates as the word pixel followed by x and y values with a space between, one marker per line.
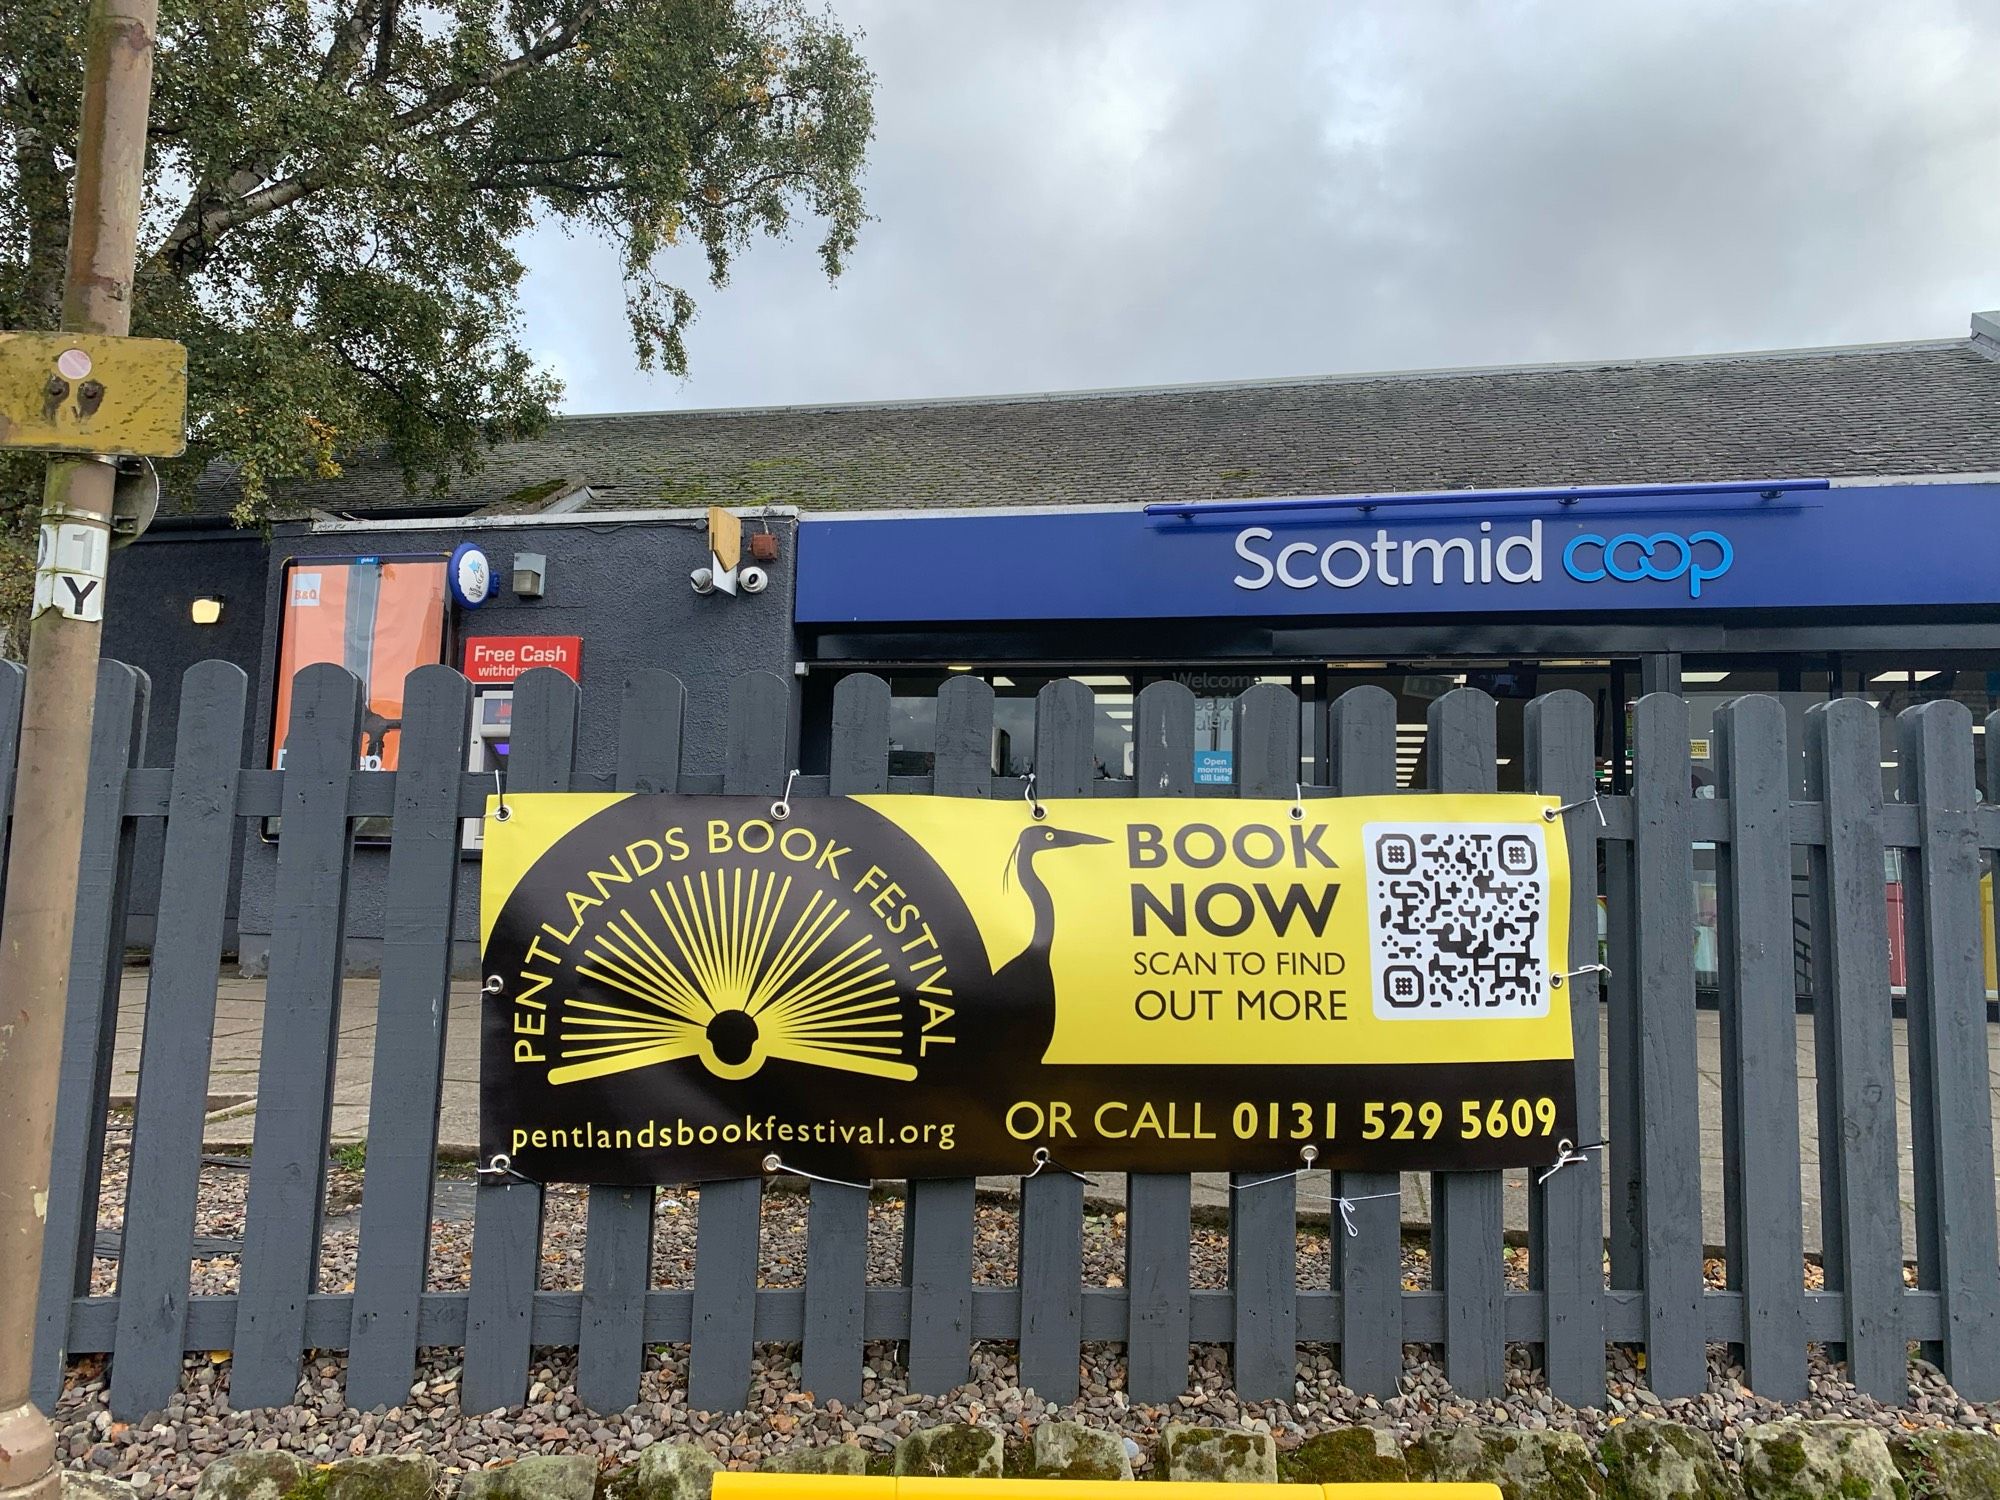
pixel 685 988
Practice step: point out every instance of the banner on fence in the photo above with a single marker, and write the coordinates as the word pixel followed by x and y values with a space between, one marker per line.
pixel 689 988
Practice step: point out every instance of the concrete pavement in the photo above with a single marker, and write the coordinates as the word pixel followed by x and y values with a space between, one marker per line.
pixel 239 1039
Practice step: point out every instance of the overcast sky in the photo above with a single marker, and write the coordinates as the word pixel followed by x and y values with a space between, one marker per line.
pixel 1086 193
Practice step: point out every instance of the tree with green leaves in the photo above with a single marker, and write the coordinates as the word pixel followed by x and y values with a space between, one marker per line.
pixel 334 188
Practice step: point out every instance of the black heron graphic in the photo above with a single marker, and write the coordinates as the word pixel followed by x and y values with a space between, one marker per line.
pixel 1023 992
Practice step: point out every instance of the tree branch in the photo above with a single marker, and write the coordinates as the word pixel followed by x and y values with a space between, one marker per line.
pixel 385 38
pixel 193 238
pixel 350 38
pixel 213 211
pixel 550 184
pixel 563 38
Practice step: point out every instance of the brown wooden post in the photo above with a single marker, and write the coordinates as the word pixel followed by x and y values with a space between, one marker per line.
pixel 40 914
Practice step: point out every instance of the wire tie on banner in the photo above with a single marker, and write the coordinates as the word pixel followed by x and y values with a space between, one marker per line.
pixel 1593 801
pixel 1346 1207
pixel 1557 981
pixel 1034 803
pixel 1298 802
pixel 502 1165
pixel 1569 1154
pixel 500 813
pixel 782 808
pixel 775 1163
pixel 494 984
pixel 1043 1159
pixel 1307 1156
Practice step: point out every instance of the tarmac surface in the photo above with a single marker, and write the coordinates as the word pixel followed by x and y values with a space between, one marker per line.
pixel 238 1047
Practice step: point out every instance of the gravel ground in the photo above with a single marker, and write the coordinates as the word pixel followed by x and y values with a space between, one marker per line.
pixel 164 1458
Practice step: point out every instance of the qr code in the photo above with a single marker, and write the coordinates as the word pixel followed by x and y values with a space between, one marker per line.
pixel 1458 919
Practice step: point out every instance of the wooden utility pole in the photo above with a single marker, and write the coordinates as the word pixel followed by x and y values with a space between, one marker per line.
pixel 39 915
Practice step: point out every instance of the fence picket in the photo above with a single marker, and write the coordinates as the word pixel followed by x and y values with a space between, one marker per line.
pixel 1626 1195
pixel 1764 1229
pixel 1368 1264
pixel 1158 1205
pixel 938 1213
pixel 281 1224
pixel 1466 1220
pixel 507 1213
pixel 1263 1208
pixel 1565 1213
pixel 727 1232
pixel 411 1012
pixel 618 1221
pixel 90 1020
pixel 1861 1231
pixel 1669 1157
pixel 1951 1120
pixel 165 1168
pixel 837 1215
pixel 1051 1227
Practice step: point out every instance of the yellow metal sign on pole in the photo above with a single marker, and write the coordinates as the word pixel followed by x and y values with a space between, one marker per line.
pixel 93 393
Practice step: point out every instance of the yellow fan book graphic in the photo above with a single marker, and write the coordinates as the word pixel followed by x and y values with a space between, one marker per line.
pixel 734 968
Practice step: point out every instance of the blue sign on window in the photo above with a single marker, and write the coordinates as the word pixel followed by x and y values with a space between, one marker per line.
pixel 1214 767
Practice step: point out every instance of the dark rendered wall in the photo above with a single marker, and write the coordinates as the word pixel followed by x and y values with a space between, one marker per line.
pixel 620 585
pixel 147 624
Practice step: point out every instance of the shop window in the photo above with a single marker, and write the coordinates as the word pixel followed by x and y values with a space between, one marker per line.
pixel 913 726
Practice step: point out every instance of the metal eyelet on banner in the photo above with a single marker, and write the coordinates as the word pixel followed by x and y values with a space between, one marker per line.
pixel 500 813
pixel 1557 981
pixel 782 808
pixel 1568 1154
pixel 502 1165
pixel 1043 1159
pixel 1034 804
pixel 1550 814
pixel 1307 1156
pixel 494 984
pixel 775 1164
pixel 1298 802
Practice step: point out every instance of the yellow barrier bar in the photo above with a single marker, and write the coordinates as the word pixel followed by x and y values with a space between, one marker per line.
pixel 730 1485
pixel 739 1486
pixel 1092 1489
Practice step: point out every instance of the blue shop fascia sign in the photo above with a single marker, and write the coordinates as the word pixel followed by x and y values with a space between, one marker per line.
pixel 1793 544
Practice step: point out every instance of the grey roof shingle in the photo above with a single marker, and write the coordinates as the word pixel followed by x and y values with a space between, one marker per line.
pixel 1881 409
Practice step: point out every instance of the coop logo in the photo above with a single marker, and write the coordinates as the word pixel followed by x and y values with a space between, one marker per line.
pixel 1699 557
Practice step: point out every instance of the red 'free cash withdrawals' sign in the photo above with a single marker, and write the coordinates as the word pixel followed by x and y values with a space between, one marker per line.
pixel 491 659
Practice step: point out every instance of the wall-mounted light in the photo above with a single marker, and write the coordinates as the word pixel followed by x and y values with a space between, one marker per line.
pixel 531 570
pixel 206 610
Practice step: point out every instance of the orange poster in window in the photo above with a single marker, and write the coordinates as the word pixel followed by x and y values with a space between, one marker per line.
pixel 381 618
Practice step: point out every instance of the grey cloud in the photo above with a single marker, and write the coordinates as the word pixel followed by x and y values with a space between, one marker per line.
pixel 1073 195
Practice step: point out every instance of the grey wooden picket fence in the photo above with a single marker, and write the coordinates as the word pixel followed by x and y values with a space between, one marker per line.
pixel 1654 1295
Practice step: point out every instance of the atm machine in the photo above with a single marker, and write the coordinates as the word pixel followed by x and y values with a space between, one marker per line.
pixel 492 735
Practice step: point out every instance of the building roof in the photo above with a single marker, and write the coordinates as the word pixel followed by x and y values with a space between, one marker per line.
pixel 1885 409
